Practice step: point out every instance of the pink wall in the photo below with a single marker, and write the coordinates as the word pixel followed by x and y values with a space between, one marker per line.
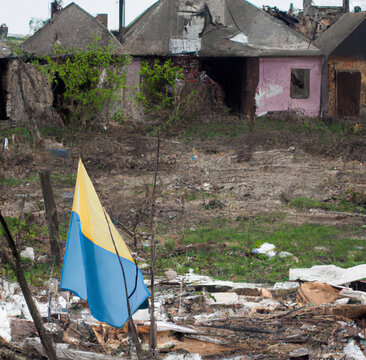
pixel 273 91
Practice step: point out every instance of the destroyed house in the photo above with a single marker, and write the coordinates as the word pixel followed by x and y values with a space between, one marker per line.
pixel 344 71
pixel 5 57
pixel 260 63
pixel 69 28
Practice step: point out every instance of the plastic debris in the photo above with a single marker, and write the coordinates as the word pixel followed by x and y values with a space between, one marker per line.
pixel 27 253
pixel 6 144
pixel 266 249
pixel 284 254
pixel 64 153
pixel 330 274
pixel 354 352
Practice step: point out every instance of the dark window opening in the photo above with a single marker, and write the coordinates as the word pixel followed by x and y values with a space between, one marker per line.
pixel 300 84
pixel 230 73
pixel 58 89
pixel 3 93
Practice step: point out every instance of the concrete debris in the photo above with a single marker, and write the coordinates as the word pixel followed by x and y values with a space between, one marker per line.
pixel 352 294
pixel 199 317
pixel 353 352
pixel 183 357
pixel 170 274
pixel 329 274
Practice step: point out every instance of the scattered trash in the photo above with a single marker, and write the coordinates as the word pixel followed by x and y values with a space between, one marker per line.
pixel 27 253
pixel 356 295
pixel 207 187
pixel 330 274
pixel 197 317
pixel 6 144
pixel 266 249
pixel 68 195
pixel 64 153
pixel 284 254
pixel 354 352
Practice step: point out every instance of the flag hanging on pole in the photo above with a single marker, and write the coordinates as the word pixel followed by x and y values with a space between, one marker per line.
pixel 92 268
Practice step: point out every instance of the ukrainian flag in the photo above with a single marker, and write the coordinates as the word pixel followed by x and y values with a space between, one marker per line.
pixel 92 268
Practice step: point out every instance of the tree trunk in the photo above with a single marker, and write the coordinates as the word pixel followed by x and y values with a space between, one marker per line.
pixel 44 336
pixel 51 215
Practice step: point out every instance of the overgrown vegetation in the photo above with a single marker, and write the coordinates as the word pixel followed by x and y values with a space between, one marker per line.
pixel 165 105
pixel 88 80
pixel 223 248
pixel 350 201
pixel 27 233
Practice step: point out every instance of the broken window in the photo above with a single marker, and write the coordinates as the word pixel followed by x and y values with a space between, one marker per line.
pixel 300 88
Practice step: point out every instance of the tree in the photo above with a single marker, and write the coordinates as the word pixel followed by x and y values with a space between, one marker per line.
pixel 158 90
pixel 90 77
pixel 36 23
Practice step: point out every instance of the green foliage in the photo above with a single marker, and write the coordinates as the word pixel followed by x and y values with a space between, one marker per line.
pixel 350 201
pixel 91 77
pixel 158 91
pixel 10 181
pixel 36 23
pixel 21 133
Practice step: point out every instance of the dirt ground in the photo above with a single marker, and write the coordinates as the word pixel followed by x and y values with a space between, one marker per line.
pixel 241 177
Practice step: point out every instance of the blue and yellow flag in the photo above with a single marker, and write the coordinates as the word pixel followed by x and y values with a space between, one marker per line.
pixel 92 269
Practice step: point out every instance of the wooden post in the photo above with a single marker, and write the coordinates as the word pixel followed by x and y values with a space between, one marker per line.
pixel 152 339
pixel 44 336
pixel 51 215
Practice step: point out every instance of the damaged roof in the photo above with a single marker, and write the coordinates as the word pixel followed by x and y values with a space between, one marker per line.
pixel 333 41
pixel 213 28
pixel 71 27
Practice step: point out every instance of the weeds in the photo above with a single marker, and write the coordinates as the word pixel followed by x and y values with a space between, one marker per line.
pixel 232 257
pixel 350 201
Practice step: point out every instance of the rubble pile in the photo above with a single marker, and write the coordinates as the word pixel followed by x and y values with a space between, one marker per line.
pixel 198 317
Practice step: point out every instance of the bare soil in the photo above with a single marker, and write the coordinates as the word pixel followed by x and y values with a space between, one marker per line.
pixel 198 180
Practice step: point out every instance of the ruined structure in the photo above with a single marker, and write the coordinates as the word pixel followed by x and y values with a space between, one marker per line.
pixel 344 71
pixel 71 27
pixel 312 20
pixel 261 64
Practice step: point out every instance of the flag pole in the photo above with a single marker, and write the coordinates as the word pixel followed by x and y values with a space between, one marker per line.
pixel 134 333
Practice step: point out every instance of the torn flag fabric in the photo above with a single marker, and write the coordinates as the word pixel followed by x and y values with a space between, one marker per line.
pixel 92 269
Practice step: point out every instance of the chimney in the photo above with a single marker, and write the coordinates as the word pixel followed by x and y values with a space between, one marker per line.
pixel 103 18
pixel 346 5
pixel 55 7
pixel 121 14
pixel 307 6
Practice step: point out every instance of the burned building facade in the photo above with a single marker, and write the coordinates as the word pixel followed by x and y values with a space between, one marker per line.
pixel 260 63
pixel 344 71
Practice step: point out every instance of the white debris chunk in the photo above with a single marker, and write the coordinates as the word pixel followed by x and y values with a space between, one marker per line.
pixel 329 274
pixel 266 249
pixel 27 253
pixel 240 38
pixel 5 331
pixel 353 352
